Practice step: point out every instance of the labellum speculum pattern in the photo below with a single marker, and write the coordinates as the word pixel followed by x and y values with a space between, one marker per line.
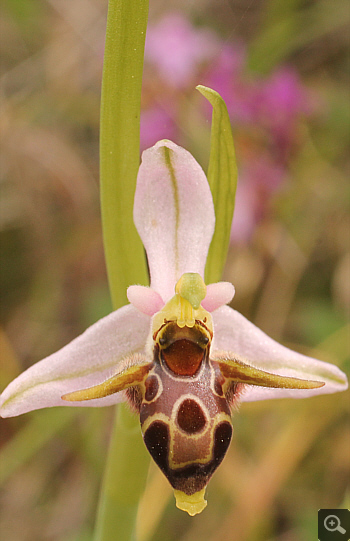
pixel 184 395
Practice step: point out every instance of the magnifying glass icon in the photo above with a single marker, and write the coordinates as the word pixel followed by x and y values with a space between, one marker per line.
pixel 332 524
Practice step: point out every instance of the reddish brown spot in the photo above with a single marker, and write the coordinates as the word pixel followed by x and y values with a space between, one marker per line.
pixel 183 357
pixel 152 387
pixel 156 439
pixel 190 417
pixel 222 438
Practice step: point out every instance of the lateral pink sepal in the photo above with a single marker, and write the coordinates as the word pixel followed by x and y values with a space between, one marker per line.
pixel 234 334
pixel 145 299
pixel 217 295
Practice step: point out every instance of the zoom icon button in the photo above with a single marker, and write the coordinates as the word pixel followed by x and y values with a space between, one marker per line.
pixel 334 524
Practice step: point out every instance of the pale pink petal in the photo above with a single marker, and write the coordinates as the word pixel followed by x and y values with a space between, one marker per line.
pixel 145 299
pixel 234 333
pixel 86 361
pixel 217 295
pixel 174 214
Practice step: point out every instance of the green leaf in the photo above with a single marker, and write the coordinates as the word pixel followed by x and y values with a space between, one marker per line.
pixel 120 144
pixel 222 178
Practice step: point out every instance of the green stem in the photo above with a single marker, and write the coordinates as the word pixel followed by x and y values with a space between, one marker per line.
pixel 120 144
pixel 127 461
pixel 125 477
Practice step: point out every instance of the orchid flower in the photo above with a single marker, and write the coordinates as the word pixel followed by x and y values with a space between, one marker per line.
pixel 177 353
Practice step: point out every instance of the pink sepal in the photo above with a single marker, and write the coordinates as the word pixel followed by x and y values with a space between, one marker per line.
pixel 217 295
pixel 86 361
pixel 145 299
pixel 233 333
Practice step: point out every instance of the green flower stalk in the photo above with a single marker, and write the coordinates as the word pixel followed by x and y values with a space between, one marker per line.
pixel 119 160
pixel 120 144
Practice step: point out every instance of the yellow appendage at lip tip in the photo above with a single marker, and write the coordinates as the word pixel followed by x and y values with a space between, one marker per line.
pixel 193 504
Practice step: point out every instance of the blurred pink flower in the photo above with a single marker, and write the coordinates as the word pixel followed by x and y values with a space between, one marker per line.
pixel 266 112
pixel 156 124
pixel 225 76
pixel 283 95
pixel 280 102
pixel 177 49
pixel 259 180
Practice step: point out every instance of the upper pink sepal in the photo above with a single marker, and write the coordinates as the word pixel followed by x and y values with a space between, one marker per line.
pixel 145 299
pixel 235 334
pixel 174 214
pixel 86 361
pixel 217 295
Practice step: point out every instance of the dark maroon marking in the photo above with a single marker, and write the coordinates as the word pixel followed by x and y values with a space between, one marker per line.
pixel 148 409
pixel 222 438
pixel 152 387
pixel 192 478
pixel 190 417
pixel 156 439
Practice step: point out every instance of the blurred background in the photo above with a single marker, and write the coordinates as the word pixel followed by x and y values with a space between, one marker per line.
pixel 282 68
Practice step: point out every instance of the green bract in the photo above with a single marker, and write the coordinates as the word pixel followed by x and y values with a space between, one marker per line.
pixel 222 178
